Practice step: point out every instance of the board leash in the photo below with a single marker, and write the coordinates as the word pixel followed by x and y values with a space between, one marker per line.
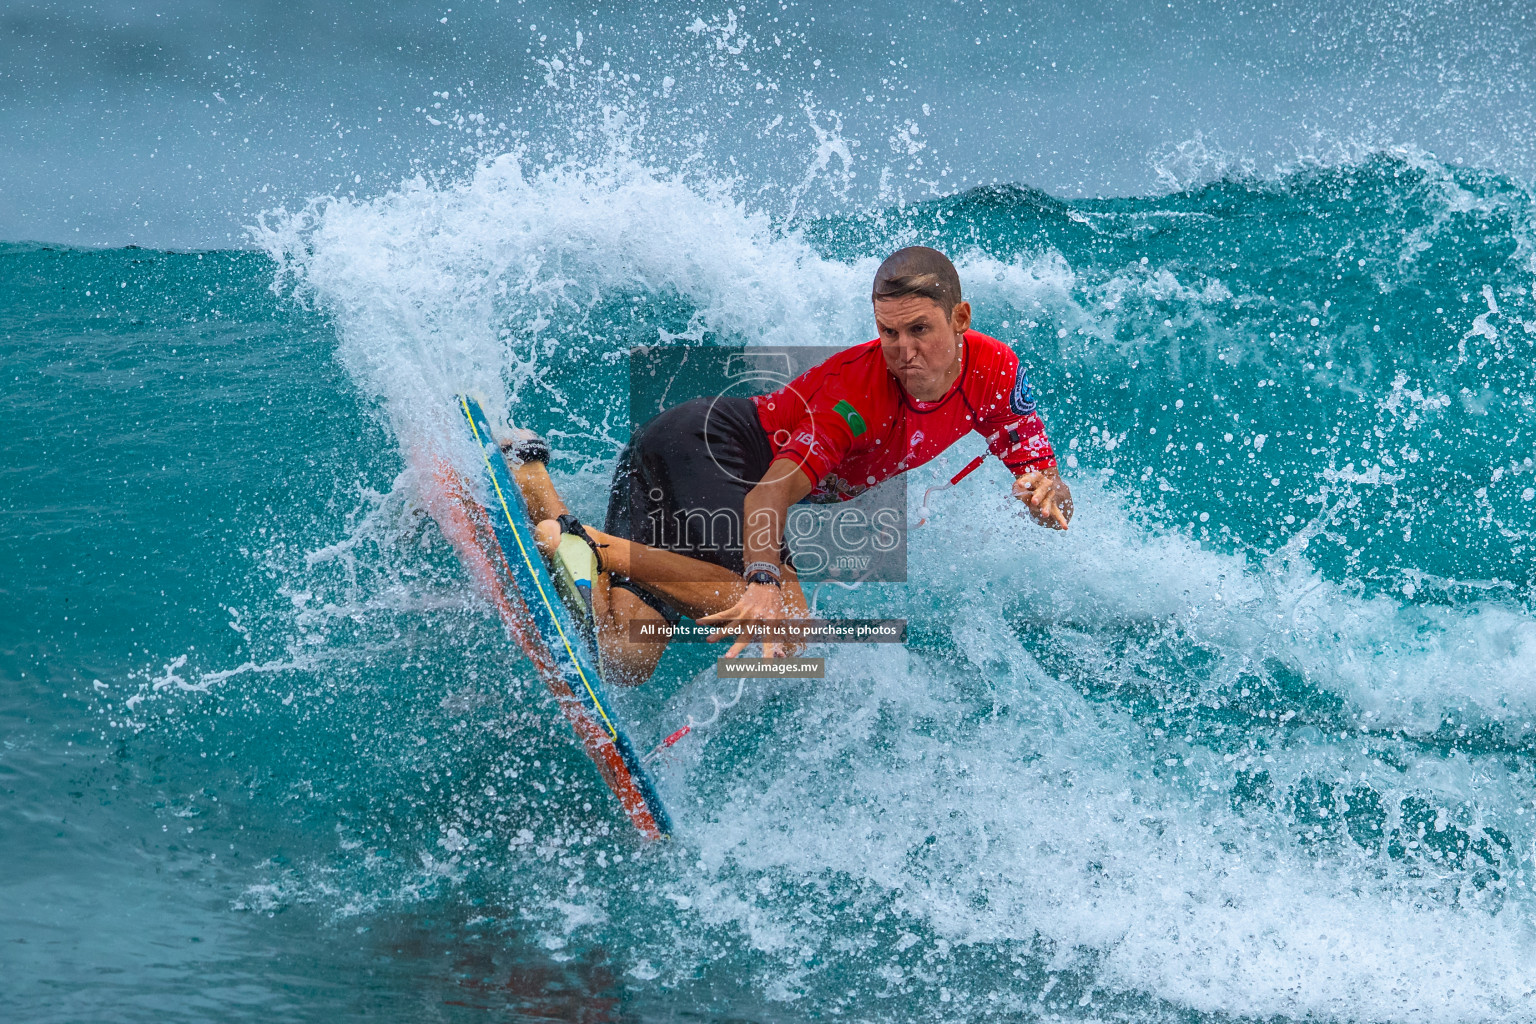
pixel 692 723
pixel 923 512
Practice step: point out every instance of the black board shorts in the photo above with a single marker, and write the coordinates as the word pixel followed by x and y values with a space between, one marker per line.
pixel 681 481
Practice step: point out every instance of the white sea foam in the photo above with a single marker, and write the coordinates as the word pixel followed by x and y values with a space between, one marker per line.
pixel 436 290
pixel 1054 816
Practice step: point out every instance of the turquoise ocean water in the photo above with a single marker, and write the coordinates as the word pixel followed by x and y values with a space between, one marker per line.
pixel 1251 742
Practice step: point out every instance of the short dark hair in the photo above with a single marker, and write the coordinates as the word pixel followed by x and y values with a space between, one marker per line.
pixel 918 270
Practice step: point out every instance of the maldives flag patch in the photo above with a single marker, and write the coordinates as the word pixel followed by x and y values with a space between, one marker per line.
pixel 855 422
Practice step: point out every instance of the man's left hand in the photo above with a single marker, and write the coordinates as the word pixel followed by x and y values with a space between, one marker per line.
pixel 1047 497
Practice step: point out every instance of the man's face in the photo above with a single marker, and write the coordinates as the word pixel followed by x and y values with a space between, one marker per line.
pixel 920 344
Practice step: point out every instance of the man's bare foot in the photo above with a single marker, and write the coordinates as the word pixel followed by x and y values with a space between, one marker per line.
pixel 522 444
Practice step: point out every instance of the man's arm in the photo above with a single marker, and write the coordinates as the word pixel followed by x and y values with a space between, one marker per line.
pixel 1021 444
pixel 764 513
pixel 766 509
pixel 1015 433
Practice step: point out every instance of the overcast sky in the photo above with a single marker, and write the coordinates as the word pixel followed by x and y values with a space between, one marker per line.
pixel 176 123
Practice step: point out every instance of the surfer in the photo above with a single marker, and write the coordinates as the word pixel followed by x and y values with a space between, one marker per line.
pixel 699 501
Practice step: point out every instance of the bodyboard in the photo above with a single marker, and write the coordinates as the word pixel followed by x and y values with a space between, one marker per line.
pixel 495 543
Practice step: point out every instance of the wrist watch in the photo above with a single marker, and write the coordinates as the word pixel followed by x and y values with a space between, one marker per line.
pixel 764 572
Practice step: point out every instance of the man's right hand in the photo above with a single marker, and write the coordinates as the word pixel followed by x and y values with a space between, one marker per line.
pixel 761 602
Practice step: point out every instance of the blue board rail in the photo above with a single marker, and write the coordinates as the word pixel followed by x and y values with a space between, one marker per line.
pixel 566 662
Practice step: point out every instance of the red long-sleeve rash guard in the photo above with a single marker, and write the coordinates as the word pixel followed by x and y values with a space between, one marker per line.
pixel 850 424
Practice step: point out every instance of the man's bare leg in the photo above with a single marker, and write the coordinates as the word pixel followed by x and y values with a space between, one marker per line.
pixel 678 579
pixel 538 490
pixel 625 661
pixel 695 587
